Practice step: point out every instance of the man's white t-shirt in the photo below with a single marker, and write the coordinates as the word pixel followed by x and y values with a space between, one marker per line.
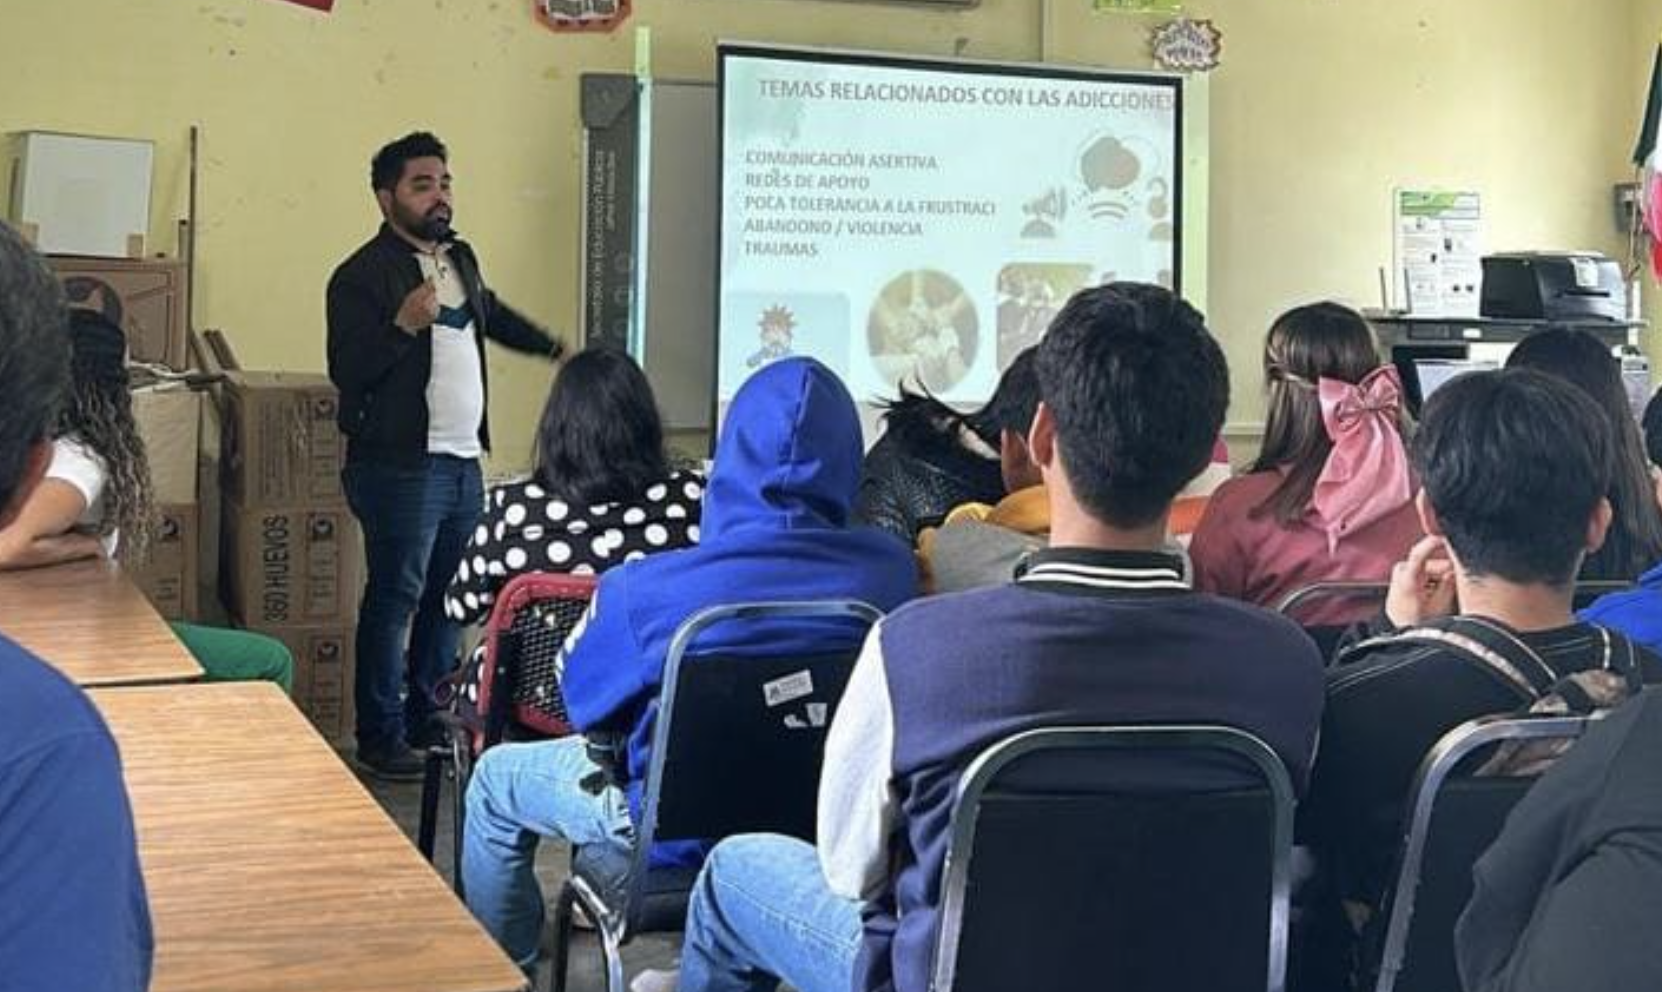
pixel 456 384
pixel 78 465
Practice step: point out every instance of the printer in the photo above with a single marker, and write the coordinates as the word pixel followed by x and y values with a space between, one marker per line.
pixel 1557 287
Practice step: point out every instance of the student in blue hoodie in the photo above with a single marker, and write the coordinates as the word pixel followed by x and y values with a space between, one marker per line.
pixel 776 526
pixel 1638 612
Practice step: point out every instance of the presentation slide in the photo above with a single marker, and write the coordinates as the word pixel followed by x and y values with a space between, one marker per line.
pixel 923 221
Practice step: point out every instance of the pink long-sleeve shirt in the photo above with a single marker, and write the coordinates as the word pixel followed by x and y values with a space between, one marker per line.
pixel 1261 560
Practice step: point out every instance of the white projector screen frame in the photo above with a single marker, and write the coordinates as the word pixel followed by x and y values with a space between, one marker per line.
pixel 1155 205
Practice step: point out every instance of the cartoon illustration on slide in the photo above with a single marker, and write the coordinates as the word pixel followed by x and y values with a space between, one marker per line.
pixel 923 328
pixel 1044 212
pixel 759 327
pixel 1118 182
pixel 1109 169
pixel 775 328
pixel 1029 296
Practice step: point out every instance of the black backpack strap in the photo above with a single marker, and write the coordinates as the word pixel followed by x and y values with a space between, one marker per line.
pixel 1624 660
pixel 1621 659
pixel 1488 645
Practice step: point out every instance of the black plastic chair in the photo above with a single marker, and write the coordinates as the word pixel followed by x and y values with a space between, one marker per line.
pixel 736 748
pixel 1588 590
pixel 1453 817
pixel 1315 592
pixel 1139 859
pixel 512 694
pixel 1327 636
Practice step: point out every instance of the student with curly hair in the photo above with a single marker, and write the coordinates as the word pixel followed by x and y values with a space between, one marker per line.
pixel 96 499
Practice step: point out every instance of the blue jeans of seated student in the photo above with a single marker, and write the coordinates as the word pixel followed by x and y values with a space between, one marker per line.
pixel 416 523
pixel 761 912
pixel 520 793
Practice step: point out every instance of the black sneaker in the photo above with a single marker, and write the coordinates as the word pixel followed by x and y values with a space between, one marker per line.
pixel 431 733
pixel 394 764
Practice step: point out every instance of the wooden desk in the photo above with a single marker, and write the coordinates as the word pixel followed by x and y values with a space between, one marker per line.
pixel 89 621
pixel 269 867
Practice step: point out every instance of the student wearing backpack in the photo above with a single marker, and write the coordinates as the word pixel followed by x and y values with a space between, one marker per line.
pixel 1479 618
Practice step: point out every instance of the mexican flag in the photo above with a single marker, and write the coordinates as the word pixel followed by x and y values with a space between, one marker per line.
pixel 1647 158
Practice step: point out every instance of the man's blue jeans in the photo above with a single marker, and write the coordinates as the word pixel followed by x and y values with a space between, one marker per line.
pixel 520 792
pixel 761 913
pixel 416 523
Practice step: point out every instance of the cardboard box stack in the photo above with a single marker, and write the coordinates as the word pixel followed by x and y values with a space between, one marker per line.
pixel 291 556
pixel 143 296
pixel 169 422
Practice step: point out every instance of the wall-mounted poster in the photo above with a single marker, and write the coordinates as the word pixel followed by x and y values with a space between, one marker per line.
pixel 1438 251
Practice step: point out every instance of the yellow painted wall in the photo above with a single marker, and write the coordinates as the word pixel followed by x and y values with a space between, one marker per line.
pixel 1320 108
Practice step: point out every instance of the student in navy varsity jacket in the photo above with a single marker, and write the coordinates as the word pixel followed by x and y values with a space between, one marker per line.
pixel 1101 628
pixel 775 526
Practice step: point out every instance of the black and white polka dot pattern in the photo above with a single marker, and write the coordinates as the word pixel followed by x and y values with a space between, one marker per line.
pixel 524 529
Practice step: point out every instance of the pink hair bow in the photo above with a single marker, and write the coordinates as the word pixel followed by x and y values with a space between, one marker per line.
pixel 1365 478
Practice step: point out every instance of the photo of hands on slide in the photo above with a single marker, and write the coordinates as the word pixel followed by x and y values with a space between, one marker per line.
pixel 923 331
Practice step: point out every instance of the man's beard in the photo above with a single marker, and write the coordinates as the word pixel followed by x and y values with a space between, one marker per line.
pixel 435 226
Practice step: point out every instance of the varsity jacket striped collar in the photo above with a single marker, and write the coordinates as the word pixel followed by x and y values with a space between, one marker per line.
pixel 1095 572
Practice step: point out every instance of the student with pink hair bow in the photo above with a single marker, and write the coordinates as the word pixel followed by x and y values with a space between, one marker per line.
pixel 1330 497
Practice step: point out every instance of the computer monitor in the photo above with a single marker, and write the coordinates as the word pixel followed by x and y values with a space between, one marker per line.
pixel 1432 374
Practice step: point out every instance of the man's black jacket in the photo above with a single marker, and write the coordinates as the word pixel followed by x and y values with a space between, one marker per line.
pixel 380 370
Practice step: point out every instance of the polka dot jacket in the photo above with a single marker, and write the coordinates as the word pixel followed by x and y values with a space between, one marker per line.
pixel 523 529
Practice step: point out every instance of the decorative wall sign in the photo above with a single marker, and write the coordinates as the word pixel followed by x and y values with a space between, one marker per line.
pixel 1186 45
pixel 581 15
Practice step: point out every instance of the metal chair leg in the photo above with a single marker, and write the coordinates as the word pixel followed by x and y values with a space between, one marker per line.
pixel 460 768
pixel 561 963
pixel 612 946
pixel 608 927
pixel 432 782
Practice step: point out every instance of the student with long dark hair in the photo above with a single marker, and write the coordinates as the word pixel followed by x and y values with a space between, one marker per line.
pixel 1637 612
pixel 1634 541
pixel 601 490
pixel 931 458
pixel 96 499
pixel 1331 495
